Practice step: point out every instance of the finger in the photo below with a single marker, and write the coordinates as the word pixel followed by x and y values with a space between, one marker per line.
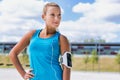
pixel 28 75
pixel 30 70
pixel 31 75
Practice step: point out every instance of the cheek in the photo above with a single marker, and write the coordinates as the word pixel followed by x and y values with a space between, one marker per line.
pixel 48 19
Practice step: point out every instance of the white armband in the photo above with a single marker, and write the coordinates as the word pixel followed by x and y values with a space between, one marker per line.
pixel 66 59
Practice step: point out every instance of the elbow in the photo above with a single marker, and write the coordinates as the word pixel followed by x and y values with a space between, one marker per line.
pixel 12 55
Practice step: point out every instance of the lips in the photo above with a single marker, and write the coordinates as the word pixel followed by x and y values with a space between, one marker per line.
pixel 56 23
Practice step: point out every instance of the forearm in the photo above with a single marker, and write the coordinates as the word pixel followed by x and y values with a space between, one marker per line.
pixel 66 73
pixel 17 64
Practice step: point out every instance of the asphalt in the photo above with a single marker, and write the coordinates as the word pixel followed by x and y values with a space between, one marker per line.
pixel 12 74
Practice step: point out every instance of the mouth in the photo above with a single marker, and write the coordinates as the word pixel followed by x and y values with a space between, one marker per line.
pixel 56 23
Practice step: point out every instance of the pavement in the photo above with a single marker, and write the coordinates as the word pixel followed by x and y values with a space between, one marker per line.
pixel 12 74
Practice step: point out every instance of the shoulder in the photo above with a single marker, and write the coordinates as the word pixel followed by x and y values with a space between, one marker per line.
pixel 64 44
pixel 30 33
pixel 63 38
pixel 24 42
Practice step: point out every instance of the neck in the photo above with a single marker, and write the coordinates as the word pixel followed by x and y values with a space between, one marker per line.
pixel 49 31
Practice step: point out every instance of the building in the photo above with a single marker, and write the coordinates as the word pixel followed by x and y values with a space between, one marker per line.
pixel 76 48
pixel 101 48
pixel 5 47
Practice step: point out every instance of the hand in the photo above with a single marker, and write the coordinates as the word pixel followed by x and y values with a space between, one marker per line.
pixel 28 75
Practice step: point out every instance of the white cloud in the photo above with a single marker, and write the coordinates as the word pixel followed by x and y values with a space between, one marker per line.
pixel 99 9
pixel 94 22
pixel 109 36
pixel 82 7
pixel 81 29
pixel 107 1
pixel 13 17
pixel 22 8
pixel 17 17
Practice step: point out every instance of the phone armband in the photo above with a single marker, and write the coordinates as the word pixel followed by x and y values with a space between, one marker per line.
pixel 66 59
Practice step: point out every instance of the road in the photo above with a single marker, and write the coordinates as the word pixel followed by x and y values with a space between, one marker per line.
pixel 12 74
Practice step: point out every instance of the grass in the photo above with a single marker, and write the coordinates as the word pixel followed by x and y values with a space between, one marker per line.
pixel 105 64
pixel 6 62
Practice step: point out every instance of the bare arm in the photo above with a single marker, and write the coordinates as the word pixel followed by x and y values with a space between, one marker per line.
pixel 21 45
pixel 64 45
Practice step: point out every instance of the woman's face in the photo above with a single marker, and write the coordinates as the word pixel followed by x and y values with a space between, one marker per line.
pixel 52 17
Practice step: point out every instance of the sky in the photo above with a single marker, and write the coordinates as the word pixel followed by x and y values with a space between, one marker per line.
pixel 81 19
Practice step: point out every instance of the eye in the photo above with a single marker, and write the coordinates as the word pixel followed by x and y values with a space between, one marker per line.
pixel 59 15
pixel 52 15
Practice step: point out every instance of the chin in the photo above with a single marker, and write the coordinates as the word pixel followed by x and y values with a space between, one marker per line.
pixel 56 26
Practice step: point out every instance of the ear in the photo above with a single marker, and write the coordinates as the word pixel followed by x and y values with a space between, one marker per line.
pixel 43 16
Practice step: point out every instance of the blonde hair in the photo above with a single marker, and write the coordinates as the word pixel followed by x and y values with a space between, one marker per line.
pixel 50 4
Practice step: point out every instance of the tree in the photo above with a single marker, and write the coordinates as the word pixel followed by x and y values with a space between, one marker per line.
pixel 92 40
pixel 86 60
pixel 117 59
pixel 94 58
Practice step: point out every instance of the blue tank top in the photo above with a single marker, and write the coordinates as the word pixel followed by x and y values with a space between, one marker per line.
pixel 44 57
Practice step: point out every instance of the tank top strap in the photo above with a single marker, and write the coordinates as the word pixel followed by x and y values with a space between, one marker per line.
pixel 58 37
pixel 36 33
pixel 58 33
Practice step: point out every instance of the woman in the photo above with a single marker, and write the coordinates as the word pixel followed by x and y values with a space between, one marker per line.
pixel 44 47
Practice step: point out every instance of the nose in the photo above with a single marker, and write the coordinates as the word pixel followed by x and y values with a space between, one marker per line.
pixel 57 18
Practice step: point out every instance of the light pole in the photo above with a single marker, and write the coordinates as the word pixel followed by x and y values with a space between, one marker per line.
pixel 98 47
pixel 99 56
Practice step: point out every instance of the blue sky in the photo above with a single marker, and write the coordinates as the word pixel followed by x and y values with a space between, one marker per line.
pixel 81 19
